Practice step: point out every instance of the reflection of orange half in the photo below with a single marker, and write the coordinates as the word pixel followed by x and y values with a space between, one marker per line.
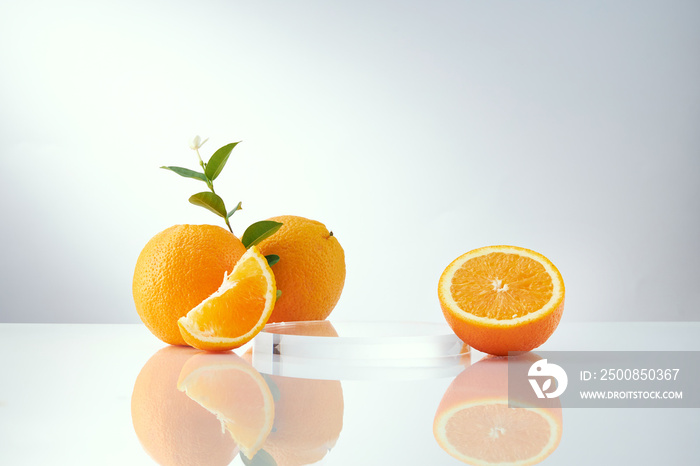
pixel 308 420
pixel 474 424
pixel 173 429
pixel 232 390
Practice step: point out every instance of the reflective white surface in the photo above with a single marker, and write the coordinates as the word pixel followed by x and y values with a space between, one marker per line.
pixel 68 393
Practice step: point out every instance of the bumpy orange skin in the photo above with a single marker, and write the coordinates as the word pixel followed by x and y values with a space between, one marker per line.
pixel 310 272
pixel 500 340
pixel 176 270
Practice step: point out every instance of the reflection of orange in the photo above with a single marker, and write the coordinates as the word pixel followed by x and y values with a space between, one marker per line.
pixel 308 420
pixel 235 393
pixel 308 413
pixel 173 429
pixel 474 424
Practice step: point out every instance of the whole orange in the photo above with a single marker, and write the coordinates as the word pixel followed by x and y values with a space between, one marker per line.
pixel 310 272
pixel 176 270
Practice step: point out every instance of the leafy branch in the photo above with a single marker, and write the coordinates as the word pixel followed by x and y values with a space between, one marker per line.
pixel 211 201
pixel 210 171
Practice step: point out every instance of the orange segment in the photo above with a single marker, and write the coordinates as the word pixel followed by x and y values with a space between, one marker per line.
pixel 232 390
pixel 237 311
pixel 502 298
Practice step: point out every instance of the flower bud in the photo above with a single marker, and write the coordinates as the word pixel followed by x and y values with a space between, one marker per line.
pixel 197 142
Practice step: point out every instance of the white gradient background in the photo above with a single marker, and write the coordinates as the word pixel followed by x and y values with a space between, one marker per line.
pixel 416 131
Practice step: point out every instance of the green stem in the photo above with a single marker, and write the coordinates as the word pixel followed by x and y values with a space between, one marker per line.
pixel 210 185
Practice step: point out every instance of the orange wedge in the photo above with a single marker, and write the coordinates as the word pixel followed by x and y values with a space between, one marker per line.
pixel 475 424
pixel 237 311
pixel 232 390
pixel 502 298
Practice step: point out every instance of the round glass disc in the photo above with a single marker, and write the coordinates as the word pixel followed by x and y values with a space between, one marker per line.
pixel 359 350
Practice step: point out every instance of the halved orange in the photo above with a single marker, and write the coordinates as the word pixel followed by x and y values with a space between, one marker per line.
pixel 236 393
pixel 237 311
pixel 475 424
pixel 502 298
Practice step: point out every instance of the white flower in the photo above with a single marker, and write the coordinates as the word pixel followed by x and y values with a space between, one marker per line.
pixel 197 142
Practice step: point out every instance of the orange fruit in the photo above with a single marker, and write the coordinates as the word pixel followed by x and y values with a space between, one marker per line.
pixel 310 272
pixel 474 424
pixel 235 393
pixel 176 270
pixel 173 429
pixel 237 311
pixel 502 298
pixel 308 420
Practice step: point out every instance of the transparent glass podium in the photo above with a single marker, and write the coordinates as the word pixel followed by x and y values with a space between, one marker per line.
pixel 359 350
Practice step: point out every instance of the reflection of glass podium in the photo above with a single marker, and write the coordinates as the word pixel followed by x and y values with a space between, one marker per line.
pixel 359 350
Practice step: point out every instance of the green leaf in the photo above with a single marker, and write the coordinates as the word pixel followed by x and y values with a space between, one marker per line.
pixel 279 293
pixel 258 231
pixel 233 211
pixel 261 458
pixel 187 173
pixel 209 201
pixel 272 259
pixel 218 160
